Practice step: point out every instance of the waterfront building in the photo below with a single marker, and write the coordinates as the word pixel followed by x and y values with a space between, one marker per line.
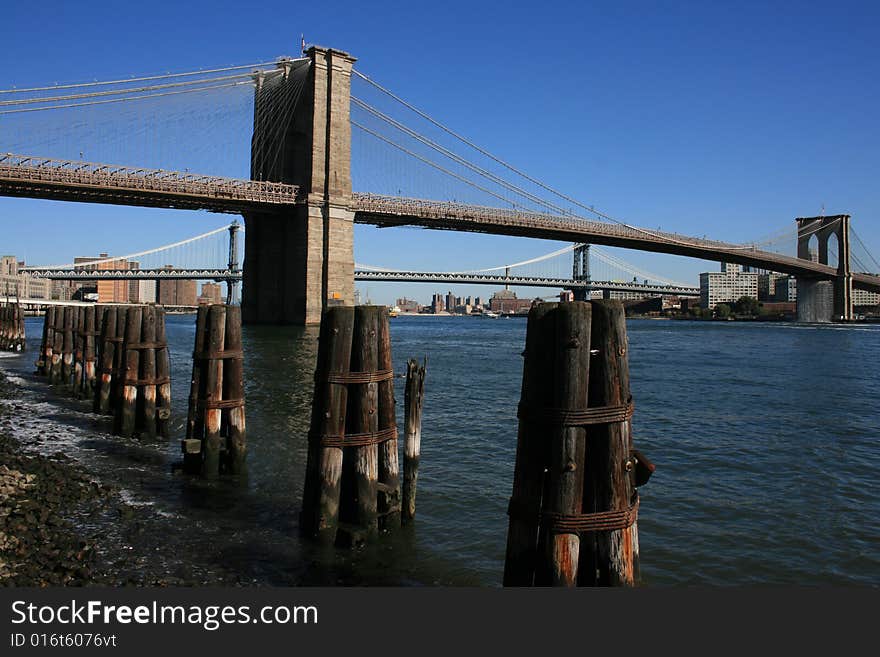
pixel 727 286
pixel 450 302
pixel 865 298
pixel 176 293
pixel 505 301
pixel 408 305
pixel 211 293
pixel 437 303
pixel 13 283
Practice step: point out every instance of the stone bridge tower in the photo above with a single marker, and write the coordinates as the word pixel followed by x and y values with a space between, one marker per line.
pixel 297 261
pixel 817 300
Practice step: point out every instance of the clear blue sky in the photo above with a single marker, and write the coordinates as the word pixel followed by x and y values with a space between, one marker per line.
pixel 724 119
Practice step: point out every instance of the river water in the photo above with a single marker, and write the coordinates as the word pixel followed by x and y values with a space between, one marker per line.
pixel 765 438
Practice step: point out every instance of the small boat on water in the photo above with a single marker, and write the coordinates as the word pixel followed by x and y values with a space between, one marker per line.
pixel 490 314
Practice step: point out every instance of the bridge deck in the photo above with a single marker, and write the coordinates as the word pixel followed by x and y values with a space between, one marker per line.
pixel 394 211
pixel 71 180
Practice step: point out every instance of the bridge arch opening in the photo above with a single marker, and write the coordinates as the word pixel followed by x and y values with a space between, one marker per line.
pixel 813 247
pixel 833 246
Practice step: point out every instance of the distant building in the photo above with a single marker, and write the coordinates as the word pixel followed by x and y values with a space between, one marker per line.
pixel 865 298
pixel 176 293
pixel 566 295
pixel 505 301
pixel 13 283
pixel 437 303
pixel 450 302
pixel 408 305
pixel 727 286
pixel 112 291
pixel 211 293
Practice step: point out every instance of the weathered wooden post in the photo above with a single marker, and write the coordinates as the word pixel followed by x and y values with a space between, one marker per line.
pixel 414 396
pixel 213 374
pixel 22 337
pixel 79 349
pixel 126 409
pixel 388 486
pixel 146 421
pixel 610 558
pixel 45 356
pixel 163 376
pixel 92 321
pixel 57 344
pixel 524 510
pixel 216 401
pixel 363 420
pixel 117 382
pixel 70 320
pixel 192 444
pixel 574 504
pixel 352 416
pixel 321 492
pixel 106 360
pixel 233 394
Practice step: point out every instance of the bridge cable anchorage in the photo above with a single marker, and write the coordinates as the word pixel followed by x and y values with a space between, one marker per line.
pixel 164 76
pixel 591 209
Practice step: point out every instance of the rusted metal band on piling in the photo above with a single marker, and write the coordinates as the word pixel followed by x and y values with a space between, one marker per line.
pixel 359 377
pixel 218 355
pixel 574 418
pixel 157 381
pixel 225 403
pixel 141 346
pixel 580 523
pixel 355 439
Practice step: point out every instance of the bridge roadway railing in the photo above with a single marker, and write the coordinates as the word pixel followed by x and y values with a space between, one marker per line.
pixel 29 169
pixel 460 212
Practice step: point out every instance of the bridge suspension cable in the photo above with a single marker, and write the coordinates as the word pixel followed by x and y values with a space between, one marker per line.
pixel 517 189
pixel 139 254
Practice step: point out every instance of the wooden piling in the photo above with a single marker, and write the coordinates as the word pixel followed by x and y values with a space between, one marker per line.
pixel 163 375
pixel 233 392
pixel 146 411
pixel 70 319
pixel 79 349
pixel 91 323
pixel 195 425
pixel 107 358
pixel 574 505
pixel 57 344
pixel 531 450
pixel 388 486
pixel 609 558
pixel 117 383
pixel 125 411
pixel 213 372
pixel 44 359
pixel 320 512
pixel 414 395
pixel 363 418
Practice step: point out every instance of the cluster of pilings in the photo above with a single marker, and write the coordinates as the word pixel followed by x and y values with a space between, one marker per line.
pixel 574 504
pixel 352 483
pixel 12 337
pixel 116 355
pixel 215 429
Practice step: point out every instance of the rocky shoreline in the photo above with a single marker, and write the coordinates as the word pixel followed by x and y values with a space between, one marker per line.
pixel 60 526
